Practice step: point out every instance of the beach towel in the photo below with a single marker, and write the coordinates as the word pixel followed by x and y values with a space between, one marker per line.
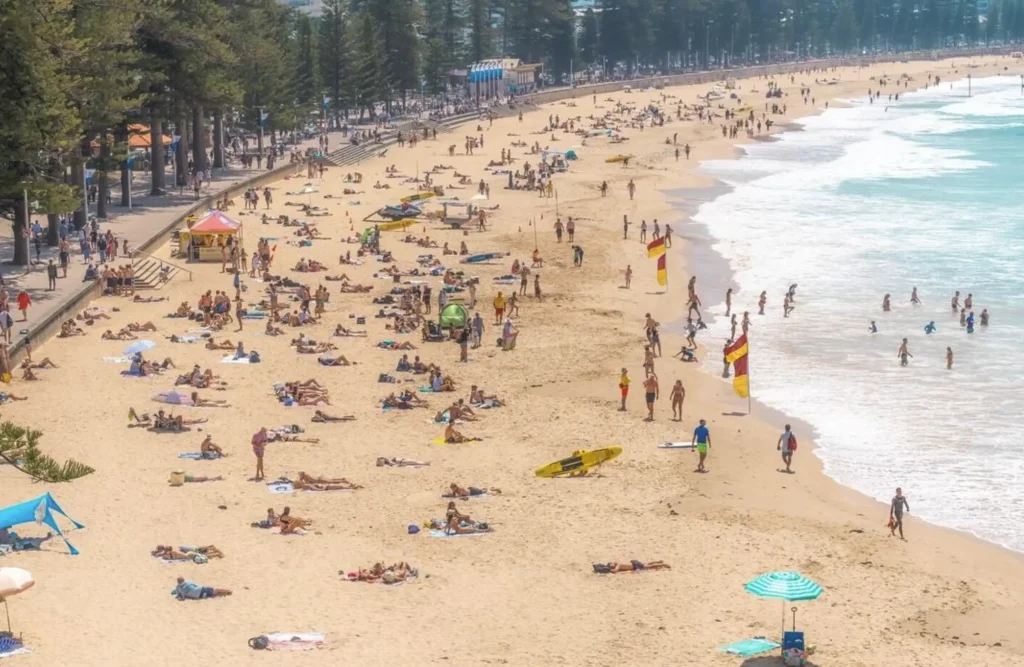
pixel 439 441
pixel 282 486
pixel 15 649
pixel 441 533
pixel 294 641
pixel 187 339
pixel 117 360
pixel 231 359
pixel 488 404
pixel 749 647
pixel 197 456
pixel 426 389
pixel 675 445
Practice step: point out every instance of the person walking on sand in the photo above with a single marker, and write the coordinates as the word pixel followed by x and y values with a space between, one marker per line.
pixel 632 189
pixel 651 394
pixel 625 227
pixel 536 286
pixel 786 445
pixel 643 231
pixel 623 389
pixel 648 361
pixel 896 507
pixel 629 275
pixel 702 443
pixel 259 446
pixel 903 353
pixel 677 397
pixel 949 358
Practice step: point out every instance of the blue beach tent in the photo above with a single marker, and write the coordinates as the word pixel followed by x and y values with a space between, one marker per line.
pixel 37 510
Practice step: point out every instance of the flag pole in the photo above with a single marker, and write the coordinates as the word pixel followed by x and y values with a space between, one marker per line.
pixel 749 402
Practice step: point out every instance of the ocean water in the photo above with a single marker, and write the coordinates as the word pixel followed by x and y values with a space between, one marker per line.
pixel 866 201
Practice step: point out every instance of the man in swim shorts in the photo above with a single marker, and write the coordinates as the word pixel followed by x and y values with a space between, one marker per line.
pixel 652 394
pixel 785 445
pixel 701 442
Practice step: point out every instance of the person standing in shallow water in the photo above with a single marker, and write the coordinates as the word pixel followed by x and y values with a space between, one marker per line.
pixel 896 507
pixel 903 353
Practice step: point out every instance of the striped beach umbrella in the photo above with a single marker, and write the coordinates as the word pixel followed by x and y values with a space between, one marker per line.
pixel 785 586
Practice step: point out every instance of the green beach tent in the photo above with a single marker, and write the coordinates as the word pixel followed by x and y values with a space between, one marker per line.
pixel 453 316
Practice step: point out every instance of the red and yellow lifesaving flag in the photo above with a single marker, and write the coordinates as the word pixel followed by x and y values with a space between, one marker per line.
pixel 656 248
pixel 736 354
pixel 662 272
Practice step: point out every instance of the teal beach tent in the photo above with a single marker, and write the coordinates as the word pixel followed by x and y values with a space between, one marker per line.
pixel 37 510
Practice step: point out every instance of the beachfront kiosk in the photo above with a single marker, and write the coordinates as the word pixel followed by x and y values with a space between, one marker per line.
pixel 203 240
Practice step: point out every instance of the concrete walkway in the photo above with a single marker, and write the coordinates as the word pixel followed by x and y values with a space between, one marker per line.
pixel 149 216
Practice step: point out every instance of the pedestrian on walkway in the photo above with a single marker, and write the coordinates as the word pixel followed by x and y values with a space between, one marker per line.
pixel 51 275
pixel 24 301
pixel 64 258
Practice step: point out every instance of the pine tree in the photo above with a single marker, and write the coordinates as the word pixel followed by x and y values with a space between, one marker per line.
pixel 589 37
pixel 369 76
pixel 19 447
pixel 335 56
pixel 845 30
pixel 481 32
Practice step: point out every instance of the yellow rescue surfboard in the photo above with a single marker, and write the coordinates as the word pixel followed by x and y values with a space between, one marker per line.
pixel 578 463
pixel 396 224
pixel 419 196
pixel 618 158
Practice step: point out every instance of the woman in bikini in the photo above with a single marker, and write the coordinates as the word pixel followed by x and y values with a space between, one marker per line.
pixel 451 436
pixel 208 402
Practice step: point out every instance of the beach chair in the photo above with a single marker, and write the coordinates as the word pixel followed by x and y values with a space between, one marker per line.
pixel 793 651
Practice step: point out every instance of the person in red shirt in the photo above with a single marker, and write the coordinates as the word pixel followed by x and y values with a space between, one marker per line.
pixel 24 301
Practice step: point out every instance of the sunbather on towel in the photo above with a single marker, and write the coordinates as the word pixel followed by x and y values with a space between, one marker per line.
pixel 462 524
pixel 631 566
pixel 451 436
pixel 324 418
pixel 477 397
pixel 170 422
pixel 456 491
pixel 392 345
pixel 284 437
pixel 45 363
pixel 383 461
pixel 226 345
pixel 319 483
pixel 123 334
pixel 208 402
pixel 319 348
pixel 339 360
pixel 136 327
pixel 209 450
pixel 390 574
pixel 169 553
pixel 342 331
pixel 192 479
pixel 190 590
pixel 406 401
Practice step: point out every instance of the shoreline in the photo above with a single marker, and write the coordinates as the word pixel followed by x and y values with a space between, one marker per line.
pixel 940 597
pixel 699 251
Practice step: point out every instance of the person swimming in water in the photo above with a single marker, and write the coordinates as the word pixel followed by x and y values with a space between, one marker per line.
pixel 963 317
pixel 955 302
pixel 886 307
pixel 984 317
pixel 969 301
pixel 930 328
pixel 874 327
pixel 903 353
pixel 949 358
pixel 913 296
pixel 970 322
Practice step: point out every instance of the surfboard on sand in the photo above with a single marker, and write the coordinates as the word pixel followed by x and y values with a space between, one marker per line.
pixel 675 445
pixel 419 196
pixel 579 463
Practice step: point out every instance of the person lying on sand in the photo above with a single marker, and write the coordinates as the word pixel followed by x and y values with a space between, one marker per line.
pixel 392 345
pixel 208 402
pixel 391 574
pixel 456 491
pixel 191 479
pixel 190 590
pixel 319 348
pixel 339 360
pixel 123 334
pixel 451 436
pixel 136 420
pixel 45 363
pixel 383 461
pixel 324 418
pixel 136 327
pixel 211 344
pixel 631 566
pixel 290 524
pixel 352 333
pixel 285 437
pixel 209 450
pixel 168 421
pixel 6 397
pixel 27 374
pixel 353 288
pixel 406 401
pixel 319 483
pixel 148 299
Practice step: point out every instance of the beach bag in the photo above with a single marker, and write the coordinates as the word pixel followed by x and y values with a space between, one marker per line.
pixel 259 643
pixel 254 357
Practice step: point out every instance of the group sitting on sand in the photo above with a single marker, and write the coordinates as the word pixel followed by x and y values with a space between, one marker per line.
pixel 286 521
pixel 385 574
pixel 457 523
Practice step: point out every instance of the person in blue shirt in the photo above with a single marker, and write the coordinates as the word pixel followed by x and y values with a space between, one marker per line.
pixel 190 590
pixel 930 328
pixel 701 442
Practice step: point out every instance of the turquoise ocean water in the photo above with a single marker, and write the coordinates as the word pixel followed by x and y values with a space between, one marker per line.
pixel 866 201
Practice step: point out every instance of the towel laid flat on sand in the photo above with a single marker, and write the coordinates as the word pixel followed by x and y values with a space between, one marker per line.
pixel 288 487
pixel 295 641
pixel 231 359
pixel 675 445
pixel 117 360
pixel 441 533
pixel 750 647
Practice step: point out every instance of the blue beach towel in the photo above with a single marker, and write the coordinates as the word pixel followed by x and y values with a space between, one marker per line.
pixel 750 647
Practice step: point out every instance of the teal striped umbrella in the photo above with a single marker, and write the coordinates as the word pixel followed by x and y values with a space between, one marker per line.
pixel 785 586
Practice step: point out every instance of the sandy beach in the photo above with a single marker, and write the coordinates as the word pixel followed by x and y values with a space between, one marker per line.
pixel 524 594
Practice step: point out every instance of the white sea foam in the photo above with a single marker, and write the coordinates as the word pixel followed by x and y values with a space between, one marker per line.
pixel 865 202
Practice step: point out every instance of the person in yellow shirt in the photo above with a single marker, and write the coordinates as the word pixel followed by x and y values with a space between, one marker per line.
pixel 499 308
pixel 624 388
